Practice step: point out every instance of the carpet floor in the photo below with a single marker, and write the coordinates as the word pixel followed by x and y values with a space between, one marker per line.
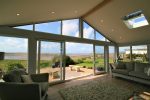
pixel 102 90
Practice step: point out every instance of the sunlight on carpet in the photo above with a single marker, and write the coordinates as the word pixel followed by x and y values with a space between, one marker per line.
pixel 97 90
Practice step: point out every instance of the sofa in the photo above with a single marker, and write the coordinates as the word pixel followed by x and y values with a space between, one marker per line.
pixel 136 71
pixel 19 85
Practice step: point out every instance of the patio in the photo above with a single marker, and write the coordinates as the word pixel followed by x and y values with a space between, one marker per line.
pixel 70 74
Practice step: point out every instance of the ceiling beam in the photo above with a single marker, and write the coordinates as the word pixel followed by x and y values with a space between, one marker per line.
pixel 100 5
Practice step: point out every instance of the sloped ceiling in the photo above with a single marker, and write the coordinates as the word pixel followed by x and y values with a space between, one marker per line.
pixel 33 11
pixel 107 19
pixel 104 15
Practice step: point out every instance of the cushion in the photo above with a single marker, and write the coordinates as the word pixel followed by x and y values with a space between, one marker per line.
pixel 139 75
pixel 121 65
pixel 147 70
pixel 113 65
pixel 26 78
pixel 129 66
pixel 7 78
pixel 139 67
pixel 121 71
pixel 14 76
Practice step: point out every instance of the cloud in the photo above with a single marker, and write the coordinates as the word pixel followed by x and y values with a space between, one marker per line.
pixel 50 47
pixel 78 48
pixel 70 27
pixel 10 44
pixel 88 32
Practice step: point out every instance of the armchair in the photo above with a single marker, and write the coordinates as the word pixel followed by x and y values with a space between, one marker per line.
pixel 16 89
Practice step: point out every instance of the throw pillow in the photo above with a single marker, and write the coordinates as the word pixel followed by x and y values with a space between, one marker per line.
pixel 146 70
pixel 121 65
pixel 26 79
pixel 129 66
pixel 139 67
pixel 113 65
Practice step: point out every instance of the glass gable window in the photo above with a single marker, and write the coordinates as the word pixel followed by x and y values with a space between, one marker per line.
pixel 100 37
pixel 71 27
pixel 88 31
pixel 50 27
pixel 25 27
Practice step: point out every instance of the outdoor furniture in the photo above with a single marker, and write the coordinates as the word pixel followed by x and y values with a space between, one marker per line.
pixel 19 85
pixel 74 67
pixel 54 72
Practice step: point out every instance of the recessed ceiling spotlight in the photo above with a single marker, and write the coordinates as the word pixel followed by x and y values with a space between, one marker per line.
pixel 18 14
pixel 102 21
pixel 53 12
pixel 76 11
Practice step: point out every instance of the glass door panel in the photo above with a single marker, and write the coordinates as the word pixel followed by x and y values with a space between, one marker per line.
pixel 50 60
pixel 99 59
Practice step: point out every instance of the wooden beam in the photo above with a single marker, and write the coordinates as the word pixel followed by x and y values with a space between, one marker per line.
pixel 100 5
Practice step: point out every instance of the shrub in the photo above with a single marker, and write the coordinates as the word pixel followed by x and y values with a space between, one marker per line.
pixel 56 58
pixel 68 60
pixel 44 64
pixel 78 61
pixel 13 66
pixel 88 60
pixel 100 68
pixel 89 67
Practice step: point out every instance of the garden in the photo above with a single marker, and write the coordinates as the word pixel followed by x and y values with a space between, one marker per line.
pixel 85 62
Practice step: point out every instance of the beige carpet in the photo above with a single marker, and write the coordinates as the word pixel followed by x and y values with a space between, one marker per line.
pixel 103 90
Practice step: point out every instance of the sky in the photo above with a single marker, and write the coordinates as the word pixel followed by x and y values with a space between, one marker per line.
pixel 70 28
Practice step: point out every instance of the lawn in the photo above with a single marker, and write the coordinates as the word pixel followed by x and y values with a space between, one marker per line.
pixel 4 63
pixel 47 63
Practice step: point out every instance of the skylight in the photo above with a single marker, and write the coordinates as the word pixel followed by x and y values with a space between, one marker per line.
pixel 135 20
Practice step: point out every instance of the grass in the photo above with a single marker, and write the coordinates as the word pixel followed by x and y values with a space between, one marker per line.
pixel 47 63
pixel 4 63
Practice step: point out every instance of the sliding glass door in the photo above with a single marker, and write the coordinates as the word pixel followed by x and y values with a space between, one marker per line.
pixel 50 59
pixel 79 60
pixel 99 59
